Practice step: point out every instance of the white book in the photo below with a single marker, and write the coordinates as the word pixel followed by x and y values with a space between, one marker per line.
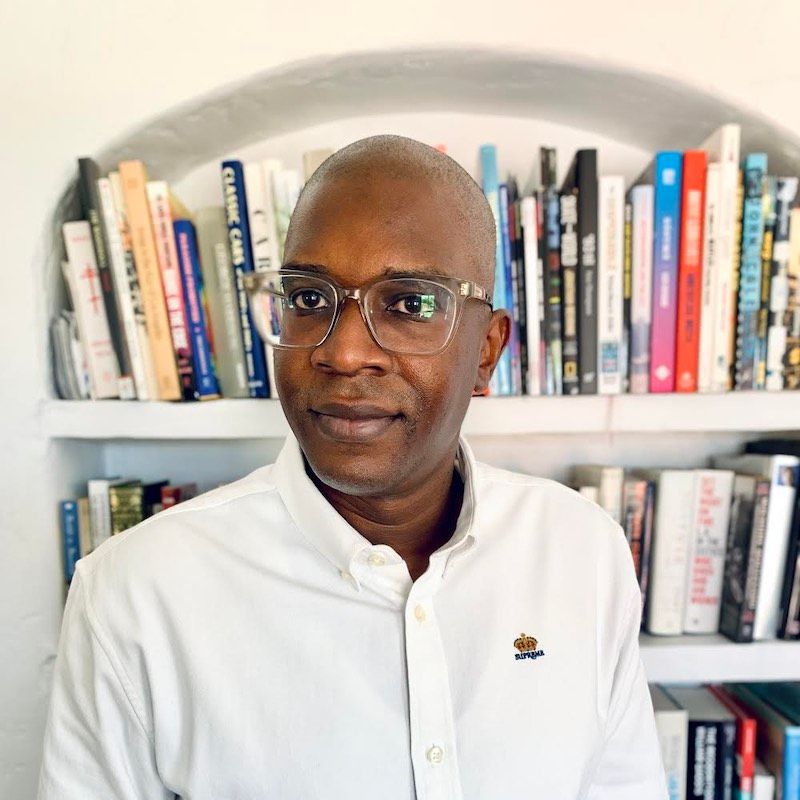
pixel 100 508
pixel 642 198
pixel 286 189
pixel 782 472
pixel 87 296
pixel 705 355
pixel 706 550
pixel 590 493
pixel 609 482
pixel 533 289
pixel 669 550
pixel 672 727
pixel 150 390
pixel 763 783
pixel 130 386
pixel 723 148
pixel 610 255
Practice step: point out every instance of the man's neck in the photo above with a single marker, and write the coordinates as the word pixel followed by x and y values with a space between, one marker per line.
pixel 414 524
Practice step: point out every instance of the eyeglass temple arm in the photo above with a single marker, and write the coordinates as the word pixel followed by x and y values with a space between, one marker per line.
pixel 469 289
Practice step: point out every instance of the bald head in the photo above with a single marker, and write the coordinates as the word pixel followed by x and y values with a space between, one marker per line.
pixel 400 158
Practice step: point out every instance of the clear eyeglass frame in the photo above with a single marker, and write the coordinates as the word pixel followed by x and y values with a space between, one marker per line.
pixel 258 287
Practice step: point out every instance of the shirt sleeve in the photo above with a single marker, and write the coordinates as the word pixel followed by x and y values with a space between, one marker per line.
pixel 629 766
pixel 95 745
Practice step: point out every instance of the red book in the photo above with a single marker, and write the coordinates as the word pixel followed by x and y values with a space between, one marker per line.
pixel 172 495
pixel 745 738
pixel 690 270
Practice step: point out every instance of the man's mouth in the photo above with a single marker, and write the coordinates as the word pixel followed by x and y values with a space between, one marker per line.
pixel 353 422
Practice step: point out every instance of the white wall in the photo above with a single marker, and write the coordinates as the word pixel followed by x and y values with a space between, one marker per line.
pixel 76 76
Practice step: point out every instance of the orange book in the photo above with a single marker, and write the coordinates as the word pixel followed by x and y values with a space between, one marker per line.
pixel 134 180
pixel 690 270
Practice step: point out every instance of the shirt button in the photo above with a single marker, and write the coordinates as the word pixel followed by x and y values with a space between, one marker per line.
pixel 435 754
pixel 419 613
pixel 376 560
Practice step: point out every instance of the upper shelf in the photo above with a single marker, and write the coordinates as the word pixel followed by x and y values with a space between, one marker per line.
pixel 255 419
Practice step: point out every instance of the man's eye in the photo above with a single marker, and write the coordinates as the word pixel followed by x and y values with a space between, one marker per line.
pixel 417 305
pixel 307 300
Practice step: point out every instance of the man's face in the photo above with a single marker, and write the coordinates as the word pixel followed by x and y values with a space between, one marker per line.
pixel 368 421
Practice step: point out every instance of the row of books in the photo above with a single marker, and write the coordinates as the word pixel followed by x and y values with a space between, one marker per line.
pixel 688 281
pixel 715 550
pixel 158 306
pixel 110 506
pixel 737 740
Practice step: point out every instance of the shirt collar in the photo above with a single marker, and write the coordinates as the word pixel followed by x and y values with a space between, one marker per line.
pixel 333 536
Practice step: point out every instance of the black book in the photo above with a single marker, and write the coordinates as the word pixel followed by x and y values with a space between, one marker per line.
pixel 581 184
pixel 518 270
pixel 551 266
pixel 88 175
pixel 790 596
pixel 568 209
pixel 747 528
pixel 712 743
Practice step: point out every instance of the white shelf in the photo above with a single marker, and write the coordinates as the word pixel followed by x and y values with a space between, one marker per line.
pixel 709 659
pixel 255 419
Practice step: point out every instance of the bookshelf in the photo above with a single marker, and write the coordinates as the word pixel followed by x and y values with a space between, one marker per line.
pixel 460 95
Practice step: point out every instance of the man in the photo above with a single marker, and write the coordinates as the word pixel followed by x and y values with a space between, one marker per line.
pixel 376 615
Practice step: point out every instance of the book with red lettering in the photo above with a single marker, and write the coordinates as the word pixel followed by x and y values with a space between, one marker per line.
pixel 745 740
pixel 690 270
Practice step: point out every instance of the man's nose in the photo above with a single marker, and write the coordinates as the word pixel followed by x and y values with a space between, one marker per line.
pixel 350 348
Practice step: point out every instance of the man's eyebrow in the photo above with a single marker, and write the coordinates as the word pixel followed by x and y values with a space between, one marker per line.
pixel 390 270
pixel 304 267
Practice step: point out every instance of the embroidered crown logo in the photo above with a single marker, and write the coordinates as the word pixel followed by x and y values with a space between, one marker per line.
pixel 527 647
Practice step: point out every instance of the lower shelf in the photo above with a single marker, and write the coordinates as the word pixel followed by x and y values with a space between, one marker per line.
pixel 713 658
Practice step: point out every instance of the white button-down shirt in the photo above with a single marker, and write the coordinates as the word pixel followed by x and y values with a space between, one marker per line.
pixel 249 644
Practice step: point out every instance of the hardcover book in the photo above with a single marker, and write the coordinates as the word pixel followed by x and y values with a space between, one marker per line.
pixel 641 197
pixel 552 271
pixel 672 726
pixel 534 305
pixel 791 356
pixel 770 219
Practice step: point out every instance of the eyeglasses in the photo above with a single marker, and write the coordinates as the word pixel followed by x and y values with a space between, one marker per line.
pixel 410 314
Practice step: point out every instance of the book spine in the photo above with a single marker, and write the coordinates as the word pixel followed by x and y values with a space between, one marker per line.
pixel 90 310
pixel 690 267
pixel 512 302
pixel 701 777
pixel 553 290
pixel 791 765
pixel 647 545
pixel 750 271
pixel 88 175
pixel 791 356
pixel 634 498
pixel 137 387
pixel 666 225
pixel 726 759
pixel 708 291
pixel 534 307
pixel 525 317
pixel 671 727
pixel 770 219
pixel 242 259
pixel 70 537
pixel 706 561
pixel 779 283
pixel 84 526
pixel 733 306
pixel 642 275
pixel 568 209
pixel 99 511
pixel 610 267
pixel 134 179
pixel 500 383
pixel 627 291
pixel 587 270
pixel 206 384
pixel 125 507
pixel 790 598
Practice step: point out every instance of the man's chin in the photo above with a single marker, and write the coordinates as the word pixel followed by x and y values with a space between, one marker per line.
pixel 356 475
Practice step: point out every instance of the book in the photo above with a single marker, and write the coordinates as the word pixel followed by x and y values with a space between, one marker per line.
pixel 763 783
pixel 627 290
pixel 672 727
pixel 84 526
pixel 223 303
pixel 551 214
pixel 286 189
pixel 500 383
pixel 747 528
pixel 705 561
pixel 100 508
pixel 84 287
pixel 733 306
pixel 205 382
pixel 125 505
pixel 770 218
pixel 750 271
pixel 777 740
pixel 745 742
pixel 172 495
pixel 151 498
pixel 511 303
pixel 666 228
pixel 791 355
pixel 242 260
pixel 782 473
pixel 690 269
pixel 70 537
pixel 534 306
pixel 88 193
pixel 609 482
pixel 610 267
pixel 712 743
pixel 708 288
pixel 69 362
pixel 519 280
pixel 641 198
pixel 158 197
pixel 134 179
pixel 785 195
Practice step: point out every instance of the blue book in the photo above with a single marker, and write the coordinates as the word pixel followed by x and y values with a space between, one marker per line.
pixel 242 259
pixel 514 340
pixel 501 379
pixel 70 537
pixel 205 379
pixel 666 231
pixel 755 171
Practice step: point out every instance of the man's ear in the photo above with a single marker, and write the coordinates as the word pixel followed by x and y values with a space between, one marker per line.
pixel 495 339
